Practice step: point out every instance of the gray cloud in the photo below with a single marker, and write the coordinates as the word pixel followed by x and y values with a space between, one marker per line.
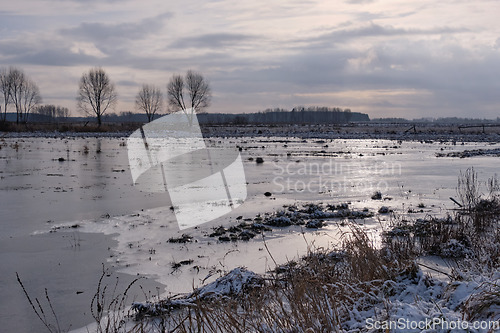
pixel 213 40
pixel 44 52
pixel 56 57
pixel 457 80
pixel 60 52
pixel 251 69
pixel 103 32
pixel 127 83
pixel 376 30
pixel 11 22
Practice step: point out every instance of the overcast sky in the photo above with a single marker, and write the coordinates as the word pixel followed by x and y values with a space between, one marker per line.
pixel 386 58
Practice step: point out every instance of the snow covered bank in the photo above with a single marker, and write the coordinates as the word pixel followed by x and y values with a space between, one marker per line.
pixel 360 287
pixel 356 288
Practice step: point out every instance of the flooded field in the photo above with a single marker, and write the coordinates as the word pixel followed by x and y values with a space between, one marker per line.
pixel 68 205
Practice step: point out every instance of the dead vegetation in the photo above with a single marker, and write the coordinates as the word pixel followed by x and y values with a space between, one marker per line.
pixel 332 290
pixel 83 127
pixel 470 232
pixel 311 215
pixel 326 289
pixel 317 293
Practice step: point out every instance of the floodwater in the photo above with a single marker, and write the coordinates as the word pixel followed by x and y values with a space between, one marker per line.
pixel 68 206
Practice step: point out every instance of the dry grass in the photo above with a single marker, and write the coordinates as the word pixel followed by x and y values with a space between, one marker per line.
pixel 108 306
pixel 468 189
pixel 480 305
pixel 69 127
pixel 470 232
pixel 49 320
pixel 316 294
pixel 319 293
pixel 328 288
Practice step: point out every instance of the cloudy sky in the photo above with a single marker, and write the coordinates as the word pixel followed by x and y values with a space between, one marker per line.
pixel 387 58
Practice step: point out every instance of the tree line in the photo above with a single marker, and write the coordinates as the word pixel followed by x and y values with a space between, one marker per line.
pixel 189 93
pixel 304 115
pixel 312 115
pixel 97 94
pixel 19 90
pixel 51 112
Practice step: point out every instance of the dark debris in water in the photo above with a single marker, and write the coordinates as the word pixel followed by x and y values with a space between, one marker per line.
pixel 313 215
pixel 471 153
pixel 185 238
pixel 243 231
pixel 177 265
pixel 309 215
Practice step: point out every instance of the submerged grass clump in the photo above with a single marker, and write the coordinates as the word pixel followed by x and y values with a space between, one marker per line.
pixel 312 215
pixel 472 232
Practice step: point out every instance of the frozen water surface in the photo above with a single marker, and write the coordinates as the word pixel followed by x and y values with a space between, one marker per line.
pixel 52 184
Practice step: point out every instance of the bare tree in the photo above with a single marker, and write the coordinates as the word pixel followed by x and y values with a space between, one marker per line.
pixel 47 111
pixel 24 94
pixel 5 89
pixel 18 81
pixel 62 112
pixel 175 93
pixel 199 90
pixel 150 100
pixel 30 99
pixel 51 111
pixel 96 93
pixel 195 86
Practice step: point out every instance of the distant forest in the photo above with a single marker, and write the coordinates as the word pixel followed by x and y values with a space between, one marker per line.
pixel 445 120
pixel 298 115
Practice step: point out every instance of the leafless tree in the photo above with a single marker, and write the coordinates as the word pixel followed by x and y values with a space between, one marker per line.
pixel 195 86
pixel 30 98
pixel 62 112
pixel 150 100
pixel 5 89
pixel 199 90
pixel 17 80
pixel 24 94
pixel 47 111
pixel 96 93
pixel 52 112
pixel 175 93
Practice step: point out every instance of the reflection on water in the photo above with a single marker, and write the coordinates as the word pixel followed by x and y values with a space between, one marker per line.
pixel 70 180
pixel 66 180
pixel 61 180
